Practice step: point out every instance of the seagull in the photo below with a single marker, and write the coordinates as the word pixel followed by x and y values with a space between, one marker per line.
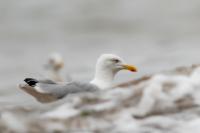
pixel 107 67
pixel 54 67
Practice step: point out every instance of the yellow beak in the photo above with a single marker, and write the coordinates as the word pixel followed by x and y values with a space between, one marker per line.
pixel 130 68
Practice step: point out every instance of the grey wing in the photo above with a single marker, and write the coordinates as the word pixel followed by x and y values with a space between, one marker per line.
pixel 59 90
pixel 47 81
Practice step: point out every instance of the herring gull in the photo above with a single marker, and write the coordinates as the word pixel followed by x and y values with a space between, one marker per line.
pixel 106 68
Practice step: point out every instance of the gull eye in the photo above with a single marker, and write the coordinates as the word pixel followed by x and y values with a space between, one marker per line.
pixel 115 60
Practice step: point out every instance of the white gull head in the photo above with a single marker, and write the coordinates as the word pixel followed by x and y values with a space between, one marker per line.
pixel 106 68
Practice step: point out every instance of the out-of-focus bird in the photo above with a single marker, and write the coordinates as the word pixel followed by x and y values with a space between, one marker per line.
pixel 54 68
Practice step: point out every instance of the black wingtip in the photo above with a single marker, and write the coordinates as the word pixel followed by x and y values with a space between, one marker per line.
pixel 30 81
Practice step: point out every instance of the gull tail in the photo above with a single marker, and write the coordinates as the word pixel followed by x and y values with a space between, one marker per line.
pixel 30 81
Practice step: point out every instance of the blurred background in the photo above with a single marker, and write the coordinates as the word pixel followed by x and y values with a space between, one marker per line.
pixel 154 35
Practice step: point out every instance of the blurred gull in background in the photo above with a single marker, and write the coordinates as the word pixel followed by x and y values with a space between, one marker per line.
pixel 106 68
pixel 54 68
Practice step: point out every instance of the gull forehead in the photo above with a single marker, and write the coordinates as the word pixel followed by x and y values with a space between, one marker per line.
pixel 110 56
